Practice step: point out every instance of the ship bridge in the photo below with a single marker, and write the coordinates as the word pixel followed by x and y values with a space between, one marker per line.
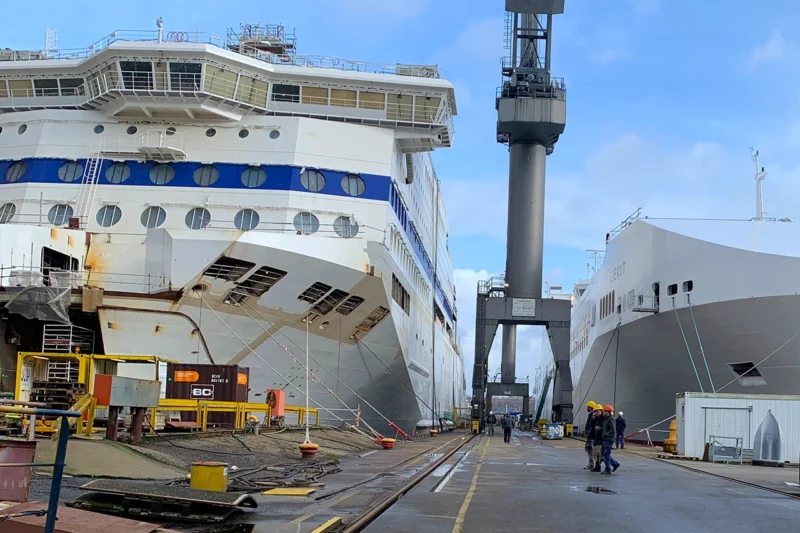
pixel 192 76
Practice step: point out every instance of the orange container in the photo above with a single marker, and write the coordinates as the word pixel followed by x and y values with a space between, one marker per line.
pixel 277 401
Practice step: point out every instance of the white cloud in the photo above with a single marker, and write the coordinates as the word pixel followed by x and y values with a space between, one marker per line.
pixel 481 40
pixel 702 180
pixel 776 48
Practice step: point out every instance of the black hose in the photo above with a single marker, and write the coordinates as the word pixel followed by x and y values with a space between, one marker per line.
pixel 201 450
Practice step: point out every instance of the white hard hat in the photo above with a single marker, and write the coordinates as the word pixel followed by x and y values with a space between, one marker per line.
pixel 620 413
pixel 491 412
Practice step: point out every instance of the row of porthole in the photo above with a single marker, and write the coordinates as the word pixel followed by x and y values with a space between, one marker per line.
pixel 22 129
pixel 204 176
pixel 132 130
pixel 196 218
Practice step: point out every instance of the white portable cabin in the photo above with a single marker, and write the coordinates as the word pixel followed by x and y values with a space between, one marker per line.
pixel 752 417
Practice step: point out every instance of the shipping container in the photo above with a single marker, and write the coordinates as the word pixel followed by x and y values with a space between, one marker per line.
pixel 222 383
pixel 767 424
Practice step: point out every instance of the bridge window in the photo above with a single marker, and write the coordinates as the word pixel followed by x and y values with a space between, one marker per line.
pixel 285 93
pixel 20 88
pixel 15 171
pixel 7 213
pixel 3 89
pixel 71 86
pixel 59 214
pixel 118 173
pixel 220 82
pixel 46 87
pixel 198 218
pixel 254 177
pixel 369 100
pixel 315 95
pixel 353 185
pixel 345 227
pixel 162 174
pixel 246 219
pixel 344 98
pixel 70 171
pixel 185 76
pixel 425 108
pixel 399 107
pixel 206 175
pixel 252 91
pixel 313 180
pixel 137 75
pixel 306 223
pixel 109 215
pixel 153 217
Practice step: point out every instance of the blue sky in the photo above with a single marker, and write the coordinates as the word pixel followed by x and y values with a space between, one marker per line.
pixel 664 100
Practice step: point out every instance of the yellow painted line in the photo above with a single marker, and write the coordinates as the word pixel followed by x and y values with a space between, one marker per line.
pixel 289 491
pixel 301 519
pixel 346 496
pixel 471 492
pixel 327 526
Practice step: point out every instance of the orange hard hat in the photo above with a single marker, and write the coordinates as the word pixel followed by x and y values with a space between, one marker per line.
pixel 608 408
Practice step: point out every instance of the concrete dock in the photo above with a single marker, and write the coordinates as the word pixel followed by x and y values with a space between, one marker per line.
pixel 532 485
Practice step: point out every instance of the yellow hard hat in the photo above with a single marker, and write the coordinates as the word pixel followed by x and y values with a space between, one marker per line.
pixel 590 403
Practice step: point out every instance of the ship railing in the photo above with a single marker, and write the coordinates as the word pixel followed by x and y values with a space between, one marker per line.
pixel 45 276
pixel 495 284
pixel 554 88
pixel 625 223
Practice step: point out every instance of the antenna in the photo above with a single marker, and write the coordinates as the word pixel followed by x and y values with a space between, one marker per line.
pixel 760 176
pixel 595 257
pixel 50 42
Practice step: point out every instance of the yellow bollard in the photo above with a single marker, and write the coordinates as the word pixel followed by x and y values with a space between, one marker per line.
pixel 671 444
pixel 209 476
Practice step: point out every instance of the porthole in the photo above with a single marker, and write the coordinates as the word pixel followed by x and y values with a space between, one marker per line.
pixel 118 173
pixel 345 227
pixel 198 218
pixel 274 134
pixel 210 132
pixel 254 177
pixel 313 180
pixel 162 174
pixel 15 171
pixel 70 171
pixel 59 214
pixel 206 175
pixel 246 219
pixel 306 223
pixel 1 129
pixel 22 129
pixel 7 213
pixel 108 215
pixel 243 134
pixel 153 217
pixel 353 185
pixel 171 131
pixel 131 130
pixel 99 129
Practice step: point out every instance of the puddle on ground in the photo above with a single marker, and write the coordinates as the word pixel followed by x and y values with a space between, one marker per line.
pixel 600 490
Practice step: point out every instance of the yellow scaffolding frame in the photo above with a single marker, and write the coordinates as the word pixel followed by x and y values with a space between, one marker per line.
pixel 241 409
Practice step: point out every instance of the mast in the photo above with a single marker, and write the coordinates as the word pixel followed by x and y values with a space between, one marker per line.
pixel 760 176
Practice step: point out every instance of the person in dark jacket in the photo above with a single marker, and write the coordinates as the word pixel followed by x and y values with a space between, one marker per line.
pixel 597 437
pixel 491 420
pixel 621 425
pixel 588 432
pixel 506 423
pixel 608 435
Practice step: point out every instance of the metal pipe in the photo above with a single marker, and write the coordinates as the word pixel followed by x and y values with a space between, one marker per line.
pixel 37 411
pixel 23 403
pixel 58 472
pixel 547 45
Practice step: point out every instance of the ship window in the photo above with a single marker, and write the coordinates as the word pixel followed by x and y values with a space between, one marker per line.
pixel 672 289
pixel 99 129
pixel 306 223
pixel 59 214
pixel 71 86
pixel 344 98
pixel 314 292
pixel 243 134
pixel 153 217
pixel 197 218
pixel 131 130
pixel 206 175
pixel 15 171
pixel 171 131
pixel 48 87
pixel 368 100
pixel 350 305
pixel 353 185
pixel 137 75
pixel 162 174
pixel 22 129
pixel 109 215
pixel 228 268
pixel 399 107
pixel 330 301
pixel 274 134
pixel 7 213
pixel 748 374
pixel 315 95
pixel 254 177
pixel 70 171
pixel 3 89
pixel 220 82
pixel 425 108
pixel 118 173
pixel 313 180
pixel 286 93
pixel 688 286
pixel 400 294
pixel 252 91
pixel 345 227
pixel 210 132
pixel 246 219
pixel 20 88
pixel 184 76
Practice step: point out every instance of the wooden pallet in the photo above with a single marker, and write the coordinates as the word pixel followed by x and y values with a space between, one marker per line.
pixel 677 457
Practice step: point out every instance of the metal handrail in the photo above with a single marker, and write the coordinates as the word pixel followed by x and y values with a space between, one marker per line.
pixel 61 454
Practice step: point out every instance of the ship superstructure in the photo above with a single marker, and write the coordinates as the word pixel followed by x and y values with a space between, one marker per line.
pixel 229 201
pixel 684 305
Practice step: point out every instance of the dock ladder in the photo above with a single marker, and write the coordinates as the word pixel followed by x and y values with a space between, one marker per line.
pixel 91 175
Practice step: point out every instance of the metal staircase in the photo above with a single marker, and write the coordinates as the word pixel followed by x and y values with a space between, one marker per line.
pixel 91 176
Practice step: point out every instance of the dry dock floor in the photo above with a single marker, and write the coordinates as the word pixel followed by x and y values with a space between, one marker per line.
pixel 532 485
